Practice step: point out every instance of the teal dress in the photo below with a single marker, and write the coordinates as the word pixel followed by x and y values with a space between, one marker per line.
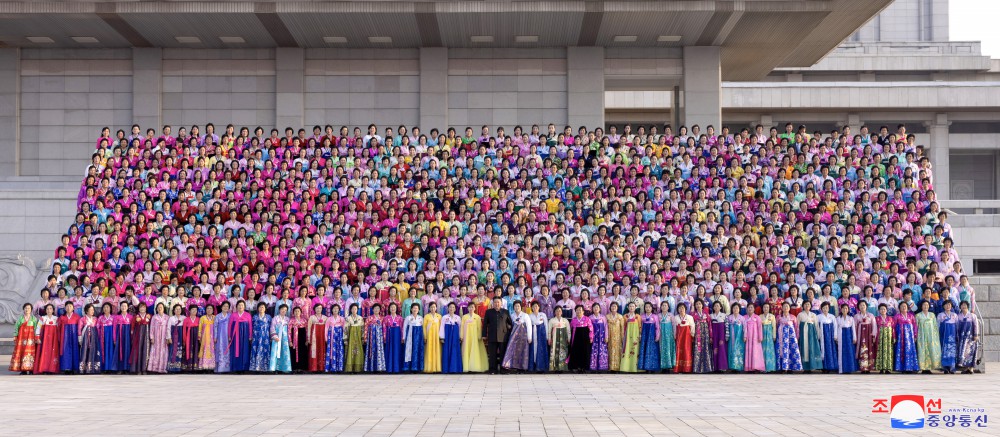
pixel 809 346
pixel 281 357
pixel 767 343
pixel 668 351
pixel 737 345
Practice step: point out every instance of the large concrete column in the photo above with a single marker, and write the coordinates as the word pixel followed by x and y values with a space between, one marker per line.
pixel 147 87
pixel 702 87
pixel 289 105
pixel 434 89
pixel 10 110
pixel 940 154
pixel 585 87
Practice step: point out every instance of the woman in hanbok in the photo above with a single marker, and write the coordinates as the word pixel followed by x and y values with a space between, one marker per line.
pixel 123 336
pixel 222 334
pixel 189 360
pixel 703 356
pixel 684 339
pixel 599 347
pixel 968 338
pixel 865 335
pixel 260 347
pixel 69 355
pixel 538 350
pixel 886 340
pixel 846 339
pixel 519 342
pixel 787 353
pixel 736 338
pixel 159 340
pixel 413 340
pixel 473 349
pixel 718 331
pixel 616 337
pixel 906 340
pixel 810 341
pixel 649 340
pixel 769 335
pixel 206 340
pixel 139 360
pixel 317 340
pixel 827 329
pixel 281 359
pixel 928 339
pixel 558 335
pixel 106 328
pixel 668 351
pixel 451 340
pixel 393 326
pixel 375 341
pixel 753 358
pixel 354 361
pixel 240 337
pixel 298 335
pixel 334 333
pixel 633 336
pixel 948 327
pixel 581 340
pixel 176 339
pixel 432 339
pixel 49 337
pixel 90 342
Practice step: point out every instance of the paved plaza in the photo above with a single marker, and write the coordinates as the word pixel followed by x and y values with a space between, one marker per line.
pixel 478 405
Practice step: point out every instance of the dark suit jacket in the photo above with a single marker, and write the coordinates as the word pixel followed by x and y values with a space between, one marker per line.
pixel 496 325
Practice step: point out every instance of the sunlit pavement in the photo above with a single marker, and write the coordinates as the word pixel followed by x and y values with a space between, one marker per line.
pixel 435 405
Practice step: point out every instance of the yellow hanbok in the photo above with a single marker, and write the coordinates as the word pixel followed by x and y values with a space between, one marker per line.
pixel 473 349
pixel 432 343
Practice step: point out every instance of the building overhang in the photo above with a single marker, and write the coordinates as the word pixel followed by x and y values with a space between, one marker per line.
pixel 756 36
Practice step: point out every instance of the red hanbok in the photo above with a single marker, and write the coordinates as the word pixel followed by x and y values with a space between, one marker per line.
pixel 317 343
pixel 50 345
pixel 25 343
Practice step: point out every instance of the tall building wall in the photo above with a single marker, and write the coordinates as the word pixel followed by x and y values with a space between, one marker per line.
pixel 907 20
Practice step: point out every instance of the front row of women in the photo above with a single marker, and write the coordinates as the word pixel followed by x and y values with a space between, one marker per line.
pixel 699 342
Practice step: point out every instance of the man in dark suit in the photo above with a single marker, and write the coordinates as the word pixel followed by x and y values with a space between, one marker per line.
pixel 496 330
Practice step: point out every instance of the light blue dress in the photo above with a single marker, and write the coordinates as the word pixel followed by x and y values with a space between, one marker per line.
pixel 281 358
pixel 222 335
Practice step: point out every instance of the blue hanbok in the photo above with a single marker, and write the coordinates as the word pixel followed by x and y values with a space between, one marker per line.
pixel 538 351
pixel 240 344
pixel 109 358
pixel 335 348
pixel 69 358
pixel 451 350
pixel 413 348
pixel 649 346
pixel 375 346
pixel 222 355
pixel 281 357
pixel 828 326
pixel 948 330
pixel 906 344
pixel 788 355
pixel 393 345
pixel 260 347
pixel 845 328
pixel 735 331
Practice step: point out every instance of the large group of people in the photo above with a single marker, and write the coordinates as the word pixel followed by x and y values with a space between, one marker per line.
pixel 535 251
